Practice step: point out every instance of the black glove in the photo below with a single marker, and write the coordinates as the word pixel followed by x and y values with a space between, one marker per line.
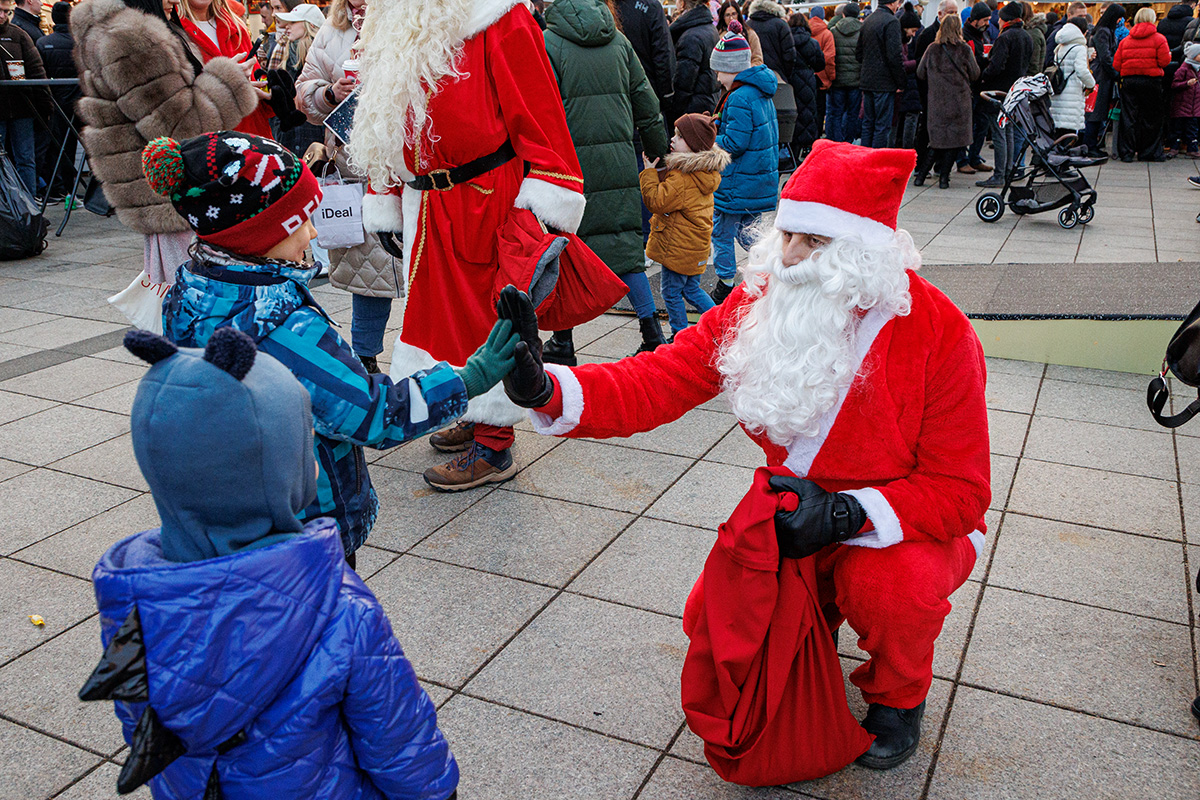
pixel 527 384
pixel 392 244
pixel 820 519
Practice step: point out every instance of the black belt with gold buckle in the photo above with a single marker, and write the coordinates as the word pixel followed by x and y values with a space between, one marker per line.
pixel 443 180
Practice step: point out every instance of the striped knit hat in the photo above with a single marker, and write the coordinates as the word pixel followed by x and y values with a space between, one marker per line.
pixel 732 53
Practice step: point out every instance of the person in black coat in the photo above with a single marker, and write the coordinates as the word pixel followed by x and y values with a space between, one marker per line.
pixel 695 82
pixel 56 50
pixel 644 23
pixel 880 53
pixel 1007 62
pixel 768 19
pixel 974 31
pixel 908 103
pixel 25 17
pixel 1104 41
pixel 1175 24
pixel 809 61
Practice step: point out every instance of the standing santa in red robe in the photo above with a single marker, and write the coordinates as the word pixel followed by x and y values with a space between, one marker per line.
pixel 460 125
pixel 862 379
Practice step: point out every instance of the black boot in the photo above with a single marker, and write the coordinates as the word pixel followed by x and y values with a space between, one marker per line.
pixel 370 364
pixel 560 349
pixel 652 335
pixel 720 292
pixel 897 733
pixel 946 163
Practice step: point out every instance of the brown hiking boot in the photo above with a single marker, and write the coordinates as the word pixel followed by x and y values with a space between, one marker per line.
pixel 475 467
pixel 454 440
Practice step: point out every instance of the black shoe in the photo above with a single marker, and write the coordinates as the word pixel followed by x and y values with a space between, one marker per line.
pixel 560 349
pixel 834 633
pixel 1196 708
pixel 897 734
pixel 919 180
pixel 944 182
pixel 370 364
pixel 720 292
pixel 1127 159
pixel 652 335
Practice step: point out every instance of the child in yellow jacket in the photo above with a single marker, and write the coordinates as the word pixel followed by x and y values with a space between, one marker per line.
pixel 680 196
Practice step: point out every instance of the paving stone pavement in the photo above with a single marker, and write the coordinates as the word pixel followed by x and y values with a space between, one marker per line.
pixel 543 616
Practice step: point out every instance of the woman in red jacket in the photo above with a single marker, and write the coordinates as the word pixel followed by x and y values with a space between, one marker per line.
pixel 217 31
pixel 1140 59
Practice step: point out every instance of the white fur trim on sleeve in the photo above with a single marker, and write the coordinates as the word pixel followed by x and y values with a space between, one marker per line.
pixel 572 403
pixel 977 540
pixel 887 525
pixel 381 212
pixel 561 209
pixel 797 216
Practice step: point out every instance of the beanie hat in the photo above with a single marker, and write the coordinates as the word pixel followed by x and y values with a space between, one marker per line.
pixel 817 12
pixel 1010 11
pixel 239 192
pixel 909 19
pixel 846 190
pixel 732 53
pixel 980 11
pixel 1191 51
pixel 224 438
pixel 60 14
pixel 851 10
pixel 698 130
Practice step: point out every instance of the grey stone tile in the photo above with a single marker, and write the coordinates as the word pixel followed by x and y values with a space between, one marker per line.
pixel 111 462
pixel 39 689
pixel 77 549
pixel 1096 498
pixel 58 332
pixel 60 600
pixel 1007 392
pixel 409 510
pixel 1189 458
pixel 1086 444
pixel 1002 748
pixel 528 537
pixel 691 435
pixel 10 351
pixel 1090 402
pixel 92 275
pixel 102 785
pixel 438 694
pixel 705 496
pixel 738 449
pixel 15 406
pixel 118 400
pixel 718 403
pixel 369 560
pixel 1006 431
pixel 76 301
pixel 602 325
pixel 58 432
pixel 601 474
pixel 1123 667
pixel 13 318
pixel 653 565
pixel 680 780
pixel 618 343
pixel 120 354
pixel 594 664
pixel 1003 470
pixel 9 469
pixel 37 766
pixel 507 755
pixel 73 379
pixel 1118 571
pixel 448 619
pixel 40 502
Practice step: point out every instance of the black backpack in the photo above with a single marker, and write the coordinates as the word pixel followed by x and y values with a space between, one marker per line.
pixel 1054 73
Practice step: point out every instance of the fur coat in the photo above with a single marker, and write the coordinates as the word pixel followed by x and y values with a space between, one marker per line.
pixel 681 200
pixel 138 85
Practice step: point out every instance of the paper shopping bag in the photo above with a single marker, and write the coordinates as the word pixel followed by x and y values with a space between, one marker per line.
pixel 142 303
pixel 339 217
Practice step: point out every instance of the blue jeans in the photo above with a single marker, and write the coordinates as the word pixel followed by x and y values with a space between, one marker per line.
pixel 17 137
pixel 841 121
pixel 877 118
pixel 368 320
pixel 675 289
pixel 1184 132
pixel 1004 142
pixel 726 228
pixel 639 293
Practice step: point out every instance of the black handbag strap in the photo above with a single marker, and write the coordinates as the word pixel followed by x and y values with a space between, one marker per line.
pixel 1157 394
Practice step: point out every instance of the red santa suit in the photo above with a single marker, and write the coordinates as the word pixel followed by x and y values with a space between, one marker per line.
pixel 908 439
pixel 507 93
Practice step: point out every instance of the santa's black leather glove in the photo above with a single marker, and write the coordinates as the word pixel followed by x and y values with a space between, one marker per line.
pixel 392 243
pixel 820 519
pixel 527 384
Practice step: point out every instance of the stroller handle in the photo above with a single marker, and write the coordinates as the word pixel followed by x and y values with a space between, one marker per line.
pixel 994 95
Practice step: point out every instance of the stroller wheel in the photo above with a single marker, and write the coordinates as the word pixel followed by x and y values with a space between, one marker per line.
pixel 1086 213
pixel 989 207
pixel 1067 218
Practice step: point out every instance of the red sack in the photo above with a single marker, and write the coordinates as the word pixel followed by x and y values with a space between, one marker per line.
pixel 584 287
pixel 762 685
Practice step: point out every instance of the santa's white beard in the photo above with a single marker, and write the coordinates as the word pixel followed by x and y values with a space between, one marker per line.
pixel 794 351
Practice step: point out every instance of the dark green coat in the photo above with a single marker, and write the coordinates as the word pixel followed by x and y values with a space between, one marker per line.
pixel 606 95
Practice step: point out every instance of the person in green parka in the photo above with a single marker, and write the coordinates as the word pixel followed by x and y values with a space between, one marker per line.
pixel 606 96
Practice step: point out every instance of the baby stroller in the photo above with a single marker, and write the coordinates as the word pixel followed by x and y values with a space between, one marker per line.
pixel 1052 179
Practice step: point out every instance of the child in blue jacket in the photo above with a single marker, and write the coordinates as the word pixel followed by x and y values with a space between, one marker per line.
pixel 250 202
pixel 246 659
pixel 748 130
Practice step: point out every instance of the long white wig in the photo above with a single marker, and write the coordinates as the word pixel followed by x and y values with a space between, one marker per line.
pixel 408 47
pixel 793 352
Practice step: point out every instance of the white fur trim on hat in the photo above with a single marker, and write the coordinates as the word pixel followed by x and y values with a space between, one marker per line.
pixel 796 216
pixel 572 403
pixel 381 212
pixel 560 208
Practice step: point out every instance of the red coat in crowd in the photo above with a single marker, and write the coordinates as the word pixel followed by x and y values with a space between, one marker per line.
pixel 1143 52
pixel 233 41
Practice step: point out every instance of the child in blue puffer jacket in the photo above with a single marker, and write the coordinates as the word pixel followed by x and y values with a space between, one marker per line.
pixel 748 130
pixel 246 659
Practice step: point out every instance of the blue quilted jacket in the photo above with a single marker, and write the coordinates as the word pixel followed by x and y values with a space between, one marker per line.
pixel 748 130
pixel 284 646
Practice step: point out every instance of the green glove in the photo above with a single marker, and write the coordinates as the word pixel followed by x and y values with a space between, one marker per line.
pixel 491 362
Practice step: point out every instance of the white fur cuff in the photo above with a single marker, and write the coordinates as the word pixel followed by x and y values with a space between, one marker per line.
pixel 887 525
pixel 559 208
pixel 572 403
pixel 381 213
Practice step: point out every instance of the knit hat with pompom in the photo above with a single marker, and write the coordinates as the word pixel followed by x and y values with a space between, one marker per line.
pixel 732 53
pixel 240 192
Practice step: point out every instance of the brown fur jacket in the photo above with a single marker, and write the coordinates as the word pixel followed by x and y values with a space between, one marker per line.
pixel 681 200
pixel 137 86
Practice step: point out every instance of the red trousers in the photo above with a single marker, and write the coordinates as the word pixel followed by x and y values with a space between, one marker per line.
pixel 895 598
pixel 494 436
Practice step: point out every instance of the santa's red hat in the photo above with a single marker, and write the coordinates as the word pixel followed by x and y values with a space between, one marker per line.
pixel 845 190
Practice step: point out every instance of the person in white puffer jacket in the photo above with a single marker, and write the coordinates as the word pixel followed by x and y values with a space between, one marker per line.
pixel 1070 55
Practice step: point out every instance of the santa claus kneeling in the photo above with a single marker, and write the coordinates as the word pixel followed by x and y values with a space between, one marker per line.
pixel 861 378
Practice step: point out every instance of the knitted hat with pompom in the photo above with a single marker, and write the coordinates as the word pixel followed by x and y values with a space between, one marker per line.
pixel 240 192
pixel 732 53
